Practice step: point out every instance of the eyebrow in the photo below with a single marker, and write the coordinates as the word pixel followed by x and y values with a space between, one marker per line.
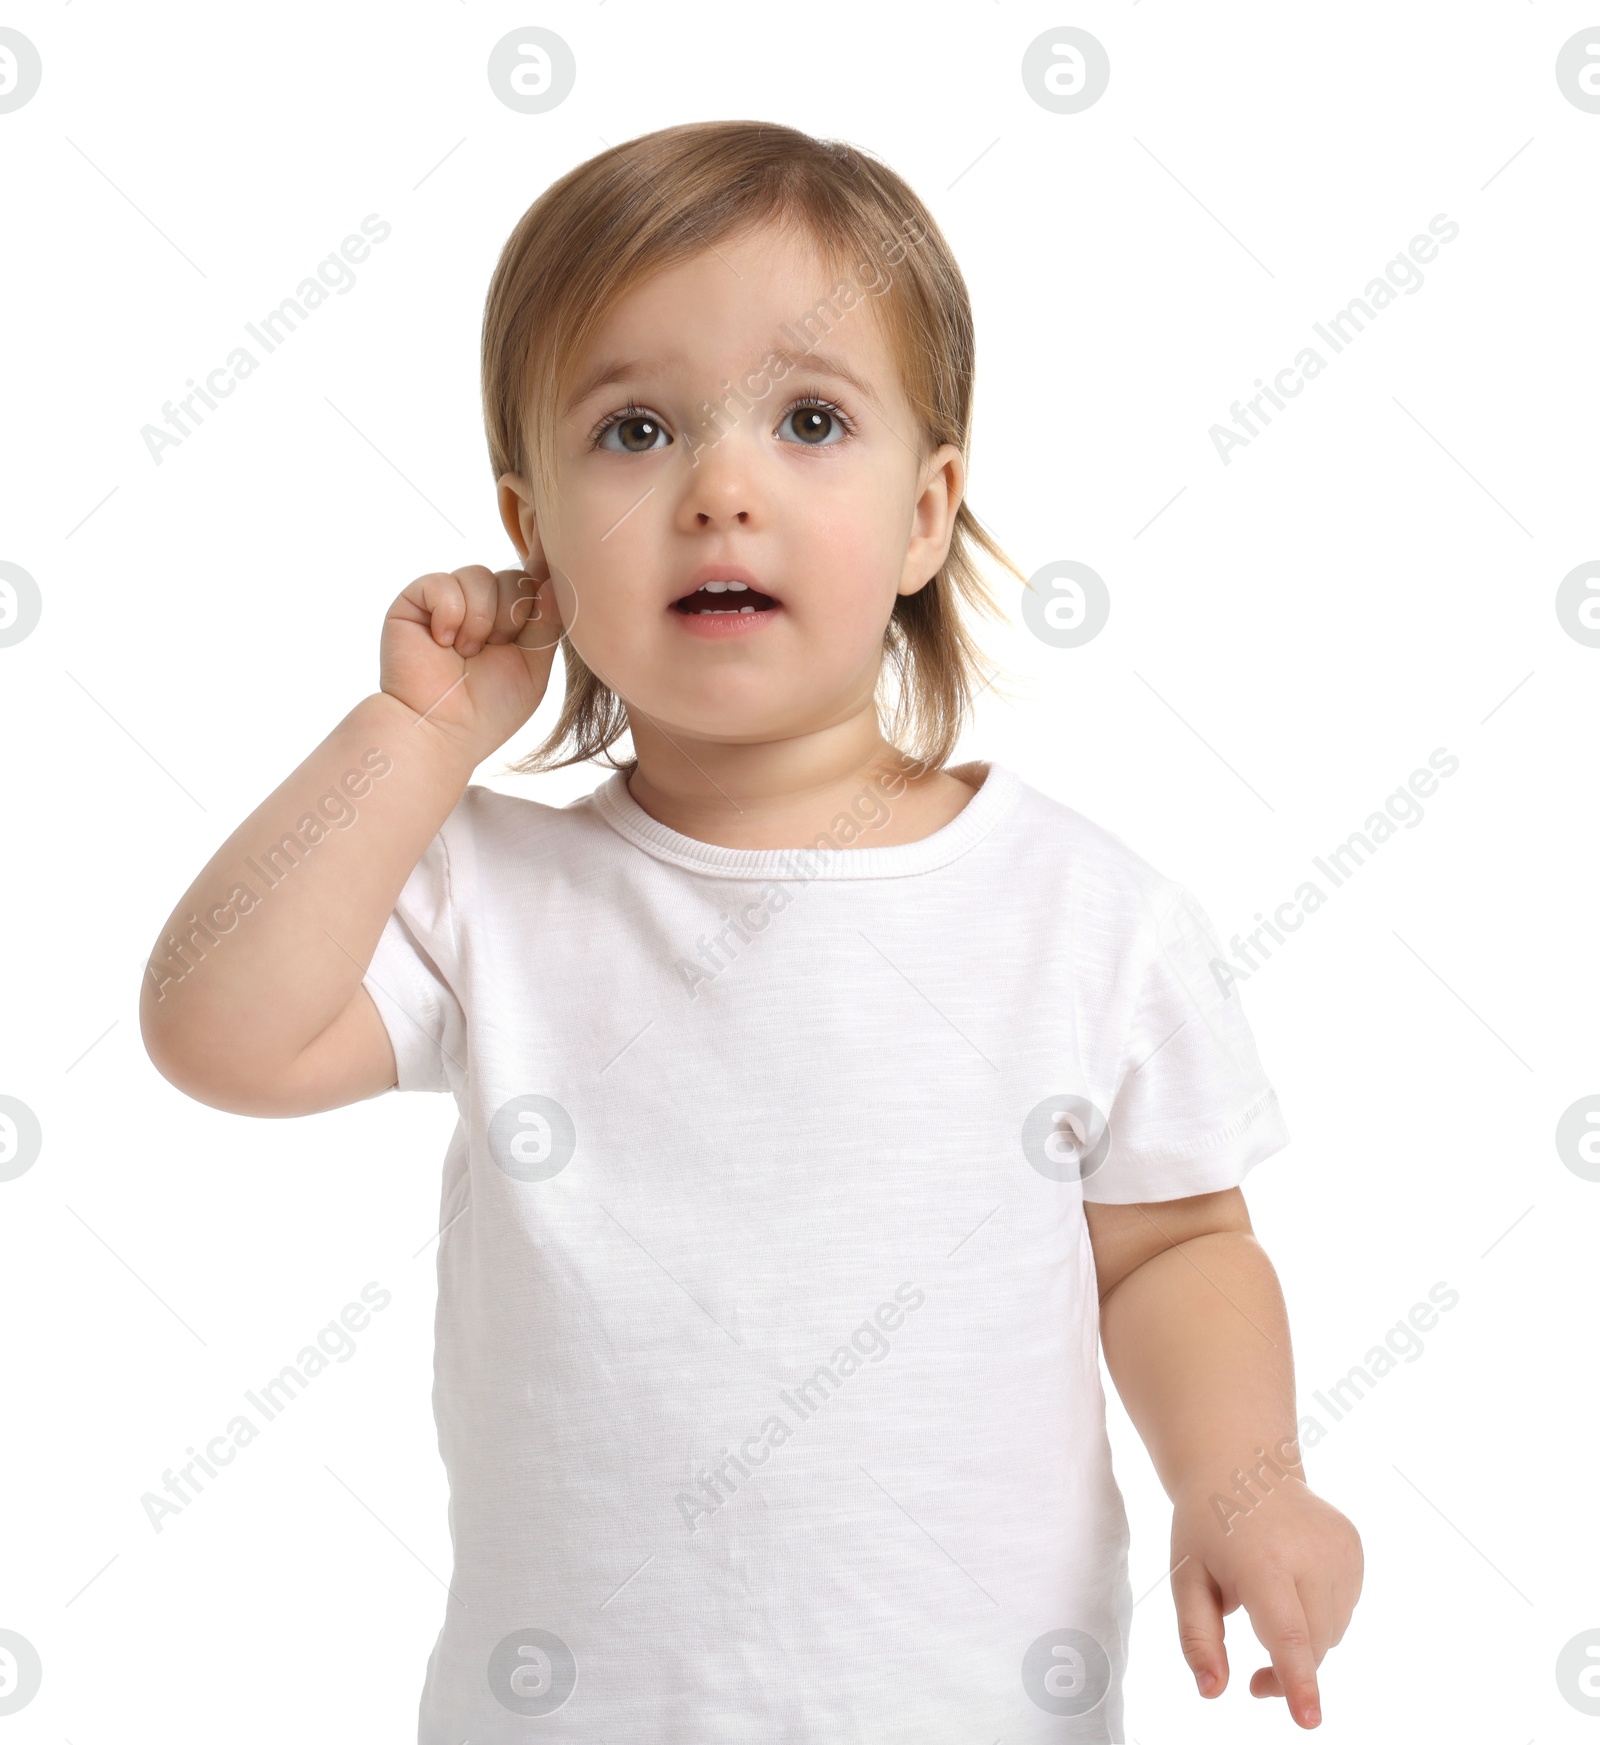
pixel 613 371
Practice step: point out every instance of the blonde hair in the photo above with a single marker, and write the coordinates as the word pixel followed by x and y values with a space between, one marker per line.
pixel 647 204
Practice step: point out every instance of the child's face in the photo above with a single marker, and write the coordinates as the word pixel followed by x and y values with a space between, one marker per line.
pixel 829 514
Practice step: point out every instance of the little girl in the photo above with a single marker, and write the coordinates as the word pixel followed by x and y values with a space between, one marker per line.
pixel 823 1108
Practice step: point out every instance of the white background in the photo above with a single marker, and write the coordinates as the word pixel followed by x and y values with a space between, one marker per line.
pixel 1290 636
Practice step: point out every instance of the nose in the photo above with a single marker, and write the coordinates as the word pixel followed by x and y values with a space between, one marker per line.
pixel 719 499
pixel 720 487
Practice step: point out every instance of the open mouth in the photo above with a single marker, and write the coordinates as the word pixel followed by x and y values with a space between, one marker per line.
pixel 724 598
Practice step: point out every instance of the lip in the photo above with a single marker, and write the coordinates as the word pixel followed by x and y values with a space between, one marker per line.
pixel 718 627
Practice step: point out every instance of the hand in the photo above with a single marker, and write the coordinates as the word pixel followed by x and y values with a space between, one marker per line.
pixel 1290 1559
pixel 471 651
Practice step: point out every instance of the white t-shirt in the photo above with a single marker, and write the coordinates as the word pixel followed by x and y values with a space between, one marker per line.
pixel 767 1366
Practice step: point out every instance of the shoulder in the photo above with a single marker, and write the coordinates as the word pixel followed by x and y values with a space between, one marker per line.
pixel 487 828
pixel 1105 877
pixel 489 812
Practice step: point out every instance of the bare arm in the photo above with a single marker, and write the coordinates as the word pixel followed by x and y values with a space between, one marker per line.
pixel 266 949
pixel 252 998
pixel 1196 1337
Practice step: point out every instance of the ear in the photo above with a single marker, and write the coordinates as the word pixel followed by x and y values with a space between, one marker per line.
pixel 933 517
pixel 518 517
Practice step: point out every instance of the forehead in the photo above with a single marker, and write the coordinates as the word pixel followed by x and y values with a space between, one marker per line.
pixel 727 308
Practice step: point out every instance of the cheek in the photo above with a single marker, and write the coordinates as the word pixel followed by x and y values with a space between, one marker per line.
pixel 606 627
pixel 852 556
pixel 606 553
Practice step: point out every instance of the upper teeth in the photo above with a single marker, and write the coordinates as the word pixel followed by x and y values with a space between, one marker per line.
pixel 729 587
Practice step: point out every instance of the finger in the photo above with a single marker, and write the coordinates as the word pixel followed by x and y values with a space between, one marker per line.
pixel 1346 1591
pixel 1325 1621
pixel 1199 1607
pixel 434 600
pixel 541 621
pixel 1279 1621
pixel 532 611
pixel 481 593
pixel 515 592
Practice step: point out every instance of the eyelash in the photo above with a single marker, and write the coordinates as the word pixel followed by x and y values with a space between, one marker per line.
pixel 623 414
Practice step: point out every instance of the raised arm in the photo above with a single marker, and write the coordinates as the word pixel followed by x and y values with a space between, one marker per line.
pixel 252 998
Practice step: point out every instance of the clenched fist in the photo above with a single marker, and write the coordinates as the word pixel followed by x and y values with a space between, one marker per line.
pixel 470 651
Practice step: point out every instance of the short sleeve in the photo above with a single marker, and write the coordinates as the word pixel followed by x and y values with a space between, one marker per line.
pixel 414 975
pixel 1192 1110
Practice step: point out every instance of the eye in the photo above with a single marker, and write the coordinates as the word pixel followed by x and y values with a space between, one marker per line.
pixel 819 423
pixel 637 430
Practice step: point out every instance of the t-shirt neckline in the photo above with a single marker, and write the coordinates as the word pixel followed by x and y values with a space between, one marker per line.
pixel 999 791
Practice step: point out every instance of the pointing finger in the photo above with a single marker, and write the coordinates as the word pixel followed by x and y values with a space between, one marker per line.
pixel 1279 1621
